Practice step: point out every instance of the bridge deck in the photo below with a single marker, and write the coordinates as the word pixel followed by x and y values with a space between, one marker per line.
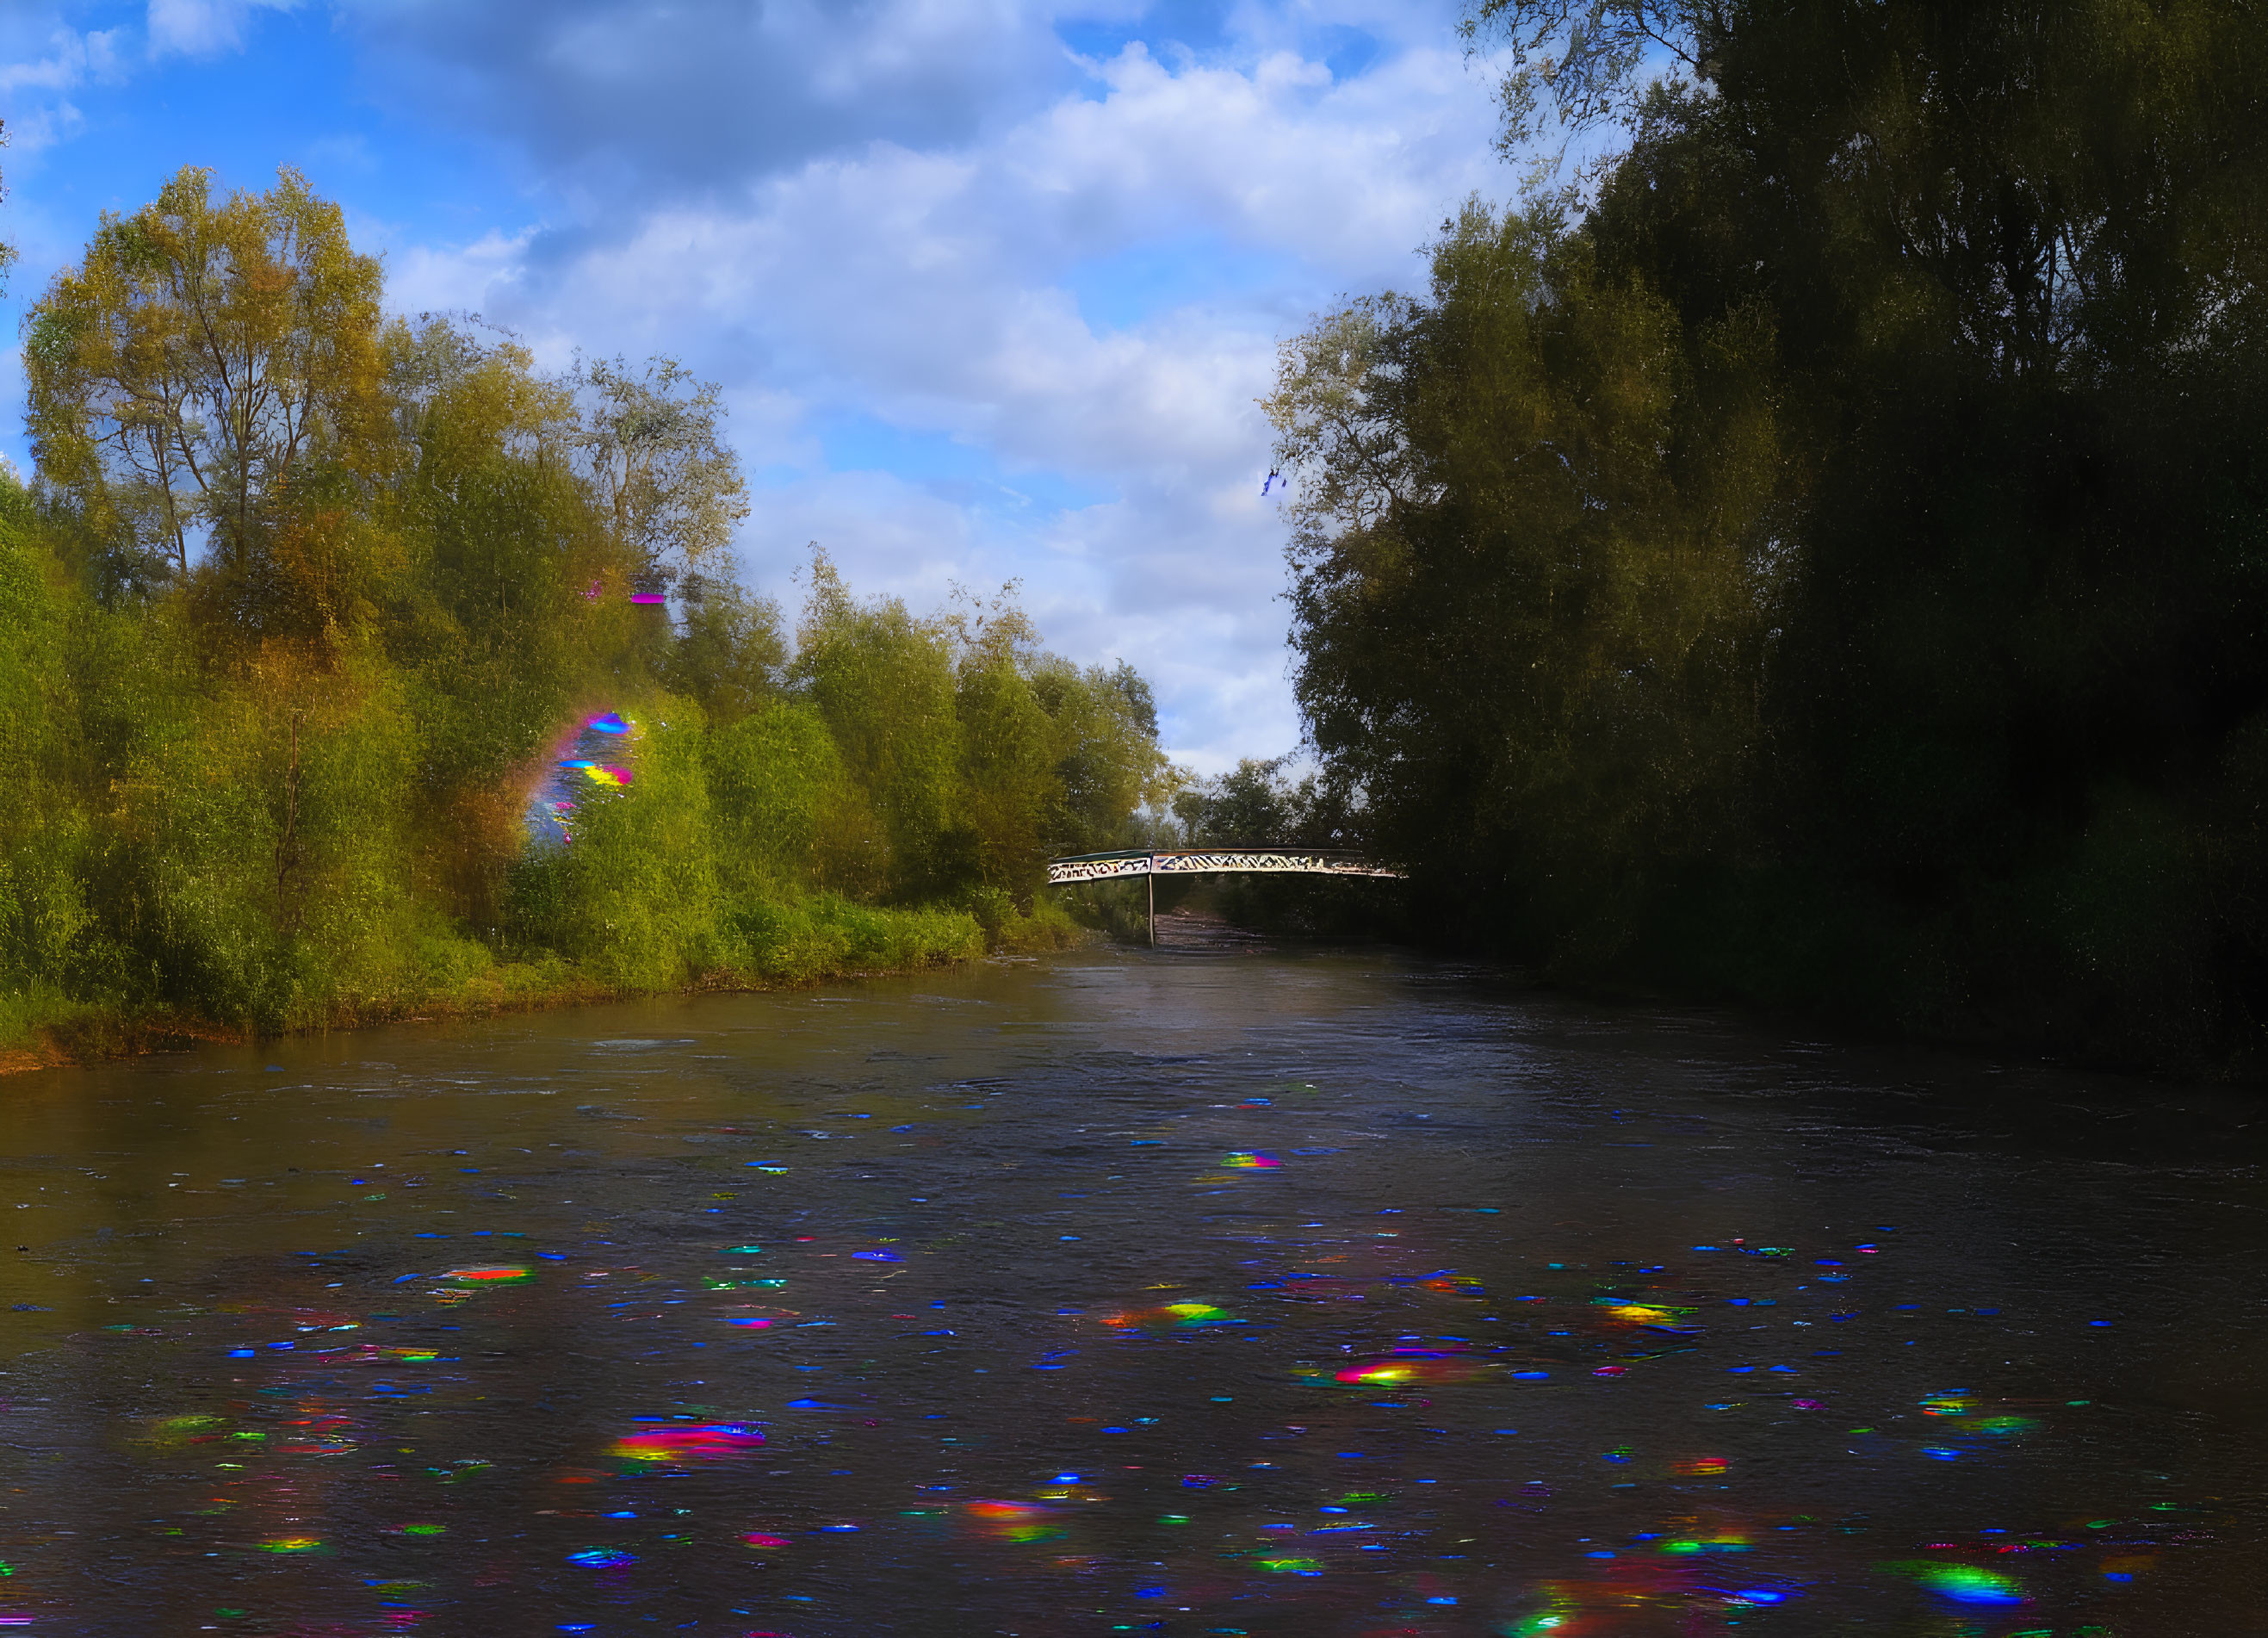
pixel 1197 861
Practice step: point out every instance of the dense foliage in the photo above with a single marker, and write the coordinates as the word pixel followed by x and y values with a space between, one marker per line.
pixel 302 600
pixel 1821 555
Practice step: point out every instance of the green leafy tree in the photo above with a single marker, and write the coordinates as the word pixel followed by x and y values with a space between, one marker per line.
pixel 205 354
pixel 1814 553
pixel 729 652
pixel 884 683
pixel 648 443
pixel 301 609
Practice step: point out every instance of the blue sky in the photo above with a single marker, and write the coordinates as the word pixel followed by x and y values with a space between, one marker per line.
pixel 991 285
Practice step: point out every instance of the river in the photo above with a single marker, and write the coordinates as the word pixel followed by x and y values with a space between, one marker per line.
pixel 1234 1292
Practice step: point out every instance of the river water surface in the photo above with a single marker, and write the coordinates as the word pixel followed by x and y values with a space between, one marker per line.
pixel 1265 1293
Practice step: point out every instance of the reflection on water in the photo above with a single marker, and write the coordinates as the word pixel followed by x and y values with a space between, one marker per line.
pixel 1299 1295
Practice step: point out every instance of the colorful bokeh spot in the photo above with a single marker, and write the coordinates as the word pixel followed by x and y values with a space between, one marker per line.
pixel 1017 1522
pixel 671 1444
pixel 1965 1583
pixel 1174 1315
pixel 1406 1366
pixel 1252 1160
pixel 1687 1546
pixel 601 1557
pixel 491 1275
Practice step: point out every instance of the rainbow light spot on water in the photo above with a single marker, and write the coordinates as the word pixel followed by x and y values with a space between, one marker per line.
pixel 1946 1404
pixel 1181 1315
pixel 666 1444
pixel 291 1544
pixel 1021 1521
pixel 757 1538
pixel 1252 1160
pixel 1964 1583
pixel 1291 1567
pixel 601 1557
pixel 1688 1546
pixel 610 722
pixel 1457 1285
pixel 2006 1427
pixel 1405 1365
pixel 1385 1374
pixel 1641 1314
pixel 491 1275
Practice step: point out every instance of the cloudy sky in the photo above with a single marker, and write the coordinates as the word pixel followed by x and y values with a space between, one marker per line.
pixel 991 284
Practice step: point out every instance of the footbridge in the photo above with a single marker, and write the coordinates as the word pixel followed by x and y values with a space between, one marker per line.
pixel 1189 861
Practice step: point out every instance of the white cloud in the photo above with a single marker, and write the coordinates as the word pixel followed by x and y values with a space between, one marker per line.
pixel 984 307
pixel 203 28
pixel 932 289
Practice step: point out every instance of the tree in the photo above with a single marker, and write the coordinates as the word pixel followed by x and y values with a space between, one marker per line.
pixel 201 358
pixel 729 652
pixel 1531 568
pixel 648 441
pixel 1819 557
pixel 885 681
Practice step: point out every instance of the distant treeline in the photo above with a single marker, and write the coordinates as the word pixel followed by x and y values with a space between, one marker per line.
pixel 1821 555
pixel 303 605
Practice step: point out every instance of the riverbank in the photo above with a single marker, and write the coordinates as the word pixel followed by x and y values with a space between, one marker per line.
pixel 820 941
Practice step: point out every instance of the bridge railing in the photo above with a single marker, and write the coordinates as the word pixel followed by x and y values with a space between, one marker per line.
pixel 1179 861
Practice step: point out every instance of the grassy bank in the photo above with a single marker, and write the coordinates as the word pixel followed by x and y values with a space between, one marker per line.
pixel 820 940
